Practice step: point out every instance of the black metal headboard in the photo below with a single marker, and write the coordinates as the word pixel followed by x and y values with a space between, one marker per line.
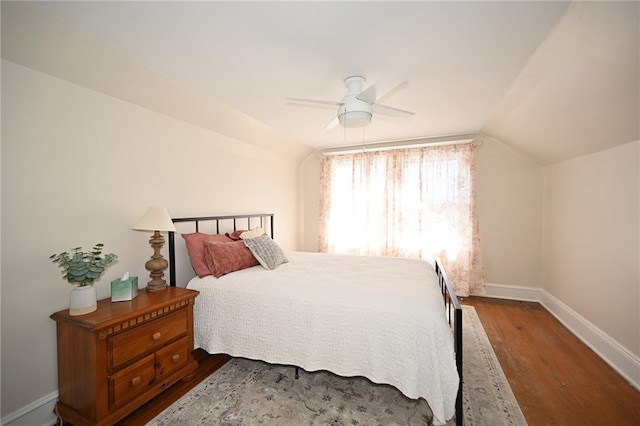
pixel 235 220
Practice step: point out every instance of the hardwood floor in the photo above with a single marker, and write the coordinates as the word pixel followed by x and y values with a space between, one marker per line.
pixel 556 379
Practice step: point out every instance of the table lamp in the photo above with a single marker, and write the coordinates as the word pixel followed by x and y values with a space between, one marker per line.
pixel 156 219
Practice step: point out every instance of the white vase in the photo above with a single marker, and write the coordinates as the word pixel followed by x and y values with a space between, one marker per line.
pixel 82 300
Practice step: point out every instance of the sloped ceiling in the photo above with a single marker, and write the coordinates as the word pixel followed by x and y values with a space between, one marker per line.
pixel 553 80
pixel 580 91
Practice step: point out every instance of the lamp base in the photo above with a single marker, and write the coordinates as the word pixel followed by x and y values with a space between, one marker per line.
pixel 156 287
pixel 157 264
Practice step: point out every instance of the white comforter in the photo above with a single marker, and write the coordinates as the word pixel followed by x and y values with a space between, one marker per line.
pixel 378 317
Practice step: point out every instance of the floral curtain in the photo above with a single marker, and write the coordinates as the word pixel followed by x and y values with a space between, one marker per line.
pixel 417 203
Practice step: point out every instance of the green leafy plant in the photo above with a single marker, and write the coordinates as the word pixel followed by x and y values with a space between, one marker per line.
pixel 83 268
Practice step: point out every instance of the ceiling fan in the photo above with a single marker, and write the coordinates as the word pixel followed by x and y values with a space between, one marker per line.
pixel 358 106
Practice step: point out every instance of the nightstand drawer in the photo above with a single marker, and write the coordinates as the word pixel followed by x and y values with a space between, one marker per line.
pixel 131 381
pixel 172 357
pixel 147 338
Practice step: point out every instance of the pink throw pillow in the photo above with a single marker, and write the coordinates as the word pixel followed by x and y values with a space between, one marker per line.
pixel 223 258
pixel 195 247
pixel 235 235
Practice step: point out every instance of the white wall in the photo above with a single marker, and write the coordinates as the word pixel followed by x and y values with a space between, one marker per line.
pixel 591 240
pixel 509 204
pixel 78 168
pixel 90 140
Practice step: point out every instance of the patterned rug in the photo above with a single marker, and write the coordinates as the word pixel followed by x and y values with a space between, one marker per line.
pixel 248 392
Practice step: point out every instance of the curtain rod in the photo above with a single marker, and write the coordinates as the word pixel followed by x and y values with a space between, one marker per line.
pixel 409 143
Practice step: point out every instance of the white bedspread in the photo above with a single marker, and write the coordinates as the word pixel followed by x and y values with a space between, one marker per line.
pixel 382 318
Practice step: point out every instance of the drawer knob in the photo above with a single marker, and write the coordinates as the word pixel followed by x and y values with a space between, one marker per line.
pixel 135 381
pixel 175 358
pixel 157 335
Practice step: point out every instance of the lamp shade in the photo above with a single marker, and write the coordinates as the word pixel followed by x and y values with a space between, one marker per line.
pixel 155 219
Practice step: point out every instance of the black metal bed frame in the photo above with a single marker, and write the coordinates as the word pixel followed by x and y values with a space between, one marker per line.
pixel 451 302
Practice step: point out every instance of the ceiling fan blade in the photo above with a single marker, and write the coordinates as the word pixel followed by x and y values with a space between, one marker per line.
pixel 312 101
pixel 381 89
pixel 392 111
pixel 389 88
pixel 369 94
pixel 332 125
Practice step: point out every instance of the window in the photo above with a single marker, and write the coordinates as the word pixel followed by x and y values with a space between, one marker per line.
pixel 416 203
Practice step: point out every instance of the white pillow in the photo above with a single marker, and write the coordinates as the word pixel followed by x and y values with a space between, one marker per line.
pixel 255 232
pixel 266 251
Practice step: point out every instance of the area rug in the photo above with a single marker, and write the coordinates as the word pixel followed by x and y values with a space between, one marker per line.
pixel 248 392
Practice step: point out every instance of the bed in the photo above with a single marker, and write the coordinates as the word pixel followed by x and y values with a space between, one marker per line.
pixel 378 317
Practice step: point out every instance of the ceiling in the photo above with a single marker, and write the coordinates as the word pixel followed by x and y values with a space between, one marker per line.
pixel 551 79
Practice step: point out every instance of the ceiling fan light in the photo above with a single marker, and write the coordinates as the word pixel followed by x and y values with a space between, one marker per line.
pixel 355 118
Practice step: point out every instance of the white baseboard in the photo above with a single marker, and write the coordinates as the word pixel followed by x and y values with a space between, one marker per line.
pixel 39 413
pixel 617 356
pixel 513 292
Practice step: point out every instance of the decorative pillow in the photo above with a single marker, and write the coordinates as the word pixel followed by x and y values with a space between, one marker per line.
pixel 255 232
pixel 235 236
pixel 195 247
pixel 268 253
pixel 223 258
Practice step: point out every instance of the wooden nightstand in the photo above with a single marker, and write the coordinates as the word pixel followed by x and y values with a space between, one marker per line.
pixel 115 359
